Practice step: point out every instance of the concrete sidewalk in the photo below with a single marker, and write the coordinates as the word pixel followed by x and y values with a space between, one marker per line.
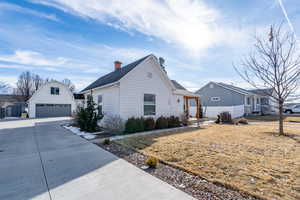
pixel 45 161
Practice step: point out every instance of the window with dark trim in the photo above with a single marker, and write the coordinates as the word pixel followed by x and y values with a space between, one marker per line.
pixel 215 98
pixel 54 90
pixel 149 104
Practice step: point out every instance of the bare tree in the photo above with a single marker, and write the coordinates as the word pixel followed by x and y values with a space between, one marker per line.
pixel 274 63
pixel 37 81
pixel 69 83
pixel 25 85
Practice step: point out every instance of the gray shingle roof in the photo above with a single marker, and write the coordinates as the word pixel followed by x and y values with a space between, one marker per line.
pixel 115 75
pixel 177 85
pixel 263 92
pixel 241 90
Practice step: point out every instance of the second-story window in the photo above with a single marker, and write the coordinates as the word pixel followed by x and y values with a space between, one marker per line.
pixel 54 90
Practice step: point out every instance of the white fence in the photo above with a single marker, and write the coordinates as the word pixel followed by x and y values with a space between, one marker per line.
pixel 213 111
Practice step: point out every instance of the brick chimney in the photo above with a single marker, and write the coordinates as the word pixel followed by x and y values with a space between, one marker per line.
pixel 117 65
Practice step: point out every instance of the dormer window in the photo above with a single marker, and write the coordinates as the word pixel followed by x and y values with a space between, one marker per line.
pixel 54 91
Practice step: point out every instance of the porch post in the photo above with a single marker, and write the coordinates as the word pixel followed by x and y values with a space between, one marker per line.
pixel 197 107
pixel 186 102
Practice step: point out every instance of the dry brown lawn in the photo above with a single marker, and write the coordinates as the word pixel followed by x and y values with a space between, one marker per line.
pixel 250 158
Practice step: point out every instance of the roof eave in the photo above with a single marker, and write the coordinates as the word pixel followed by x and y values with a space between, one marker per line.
pixel 101 87
pixel 185 93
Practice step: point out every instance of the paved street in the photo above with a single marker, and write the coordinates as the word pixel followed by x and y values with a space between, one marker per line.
pixel 41 160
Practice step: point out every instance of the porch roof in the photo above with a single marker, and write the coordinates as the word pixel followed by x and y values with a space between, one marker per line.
pixel 186 93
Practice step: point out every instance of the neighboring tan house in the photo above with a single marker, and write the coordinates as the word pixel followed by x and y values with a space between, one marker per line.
pixel 219 97
pixel 141 88
pixel 53 99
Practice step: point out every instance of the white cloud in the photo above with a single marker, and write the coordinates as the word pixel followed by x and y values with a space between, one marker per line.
pixel 26 57
pixel 188 24
pixel 16 8
pixel 15 66
pixel 11 80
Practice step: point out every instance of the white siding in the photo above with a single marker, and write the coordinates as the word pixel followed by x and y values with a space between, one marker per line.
pixel 213 111
pixel 79 102
pixel 43 96
pixel 137 83
pixel 110 99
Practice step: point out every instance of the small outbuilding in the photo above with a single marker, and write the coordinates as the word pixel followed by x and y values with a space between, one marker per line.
pixel 53 99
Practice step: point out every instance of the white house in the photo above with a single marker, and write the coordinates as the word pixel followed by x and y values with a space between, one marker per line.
pixel 141 88
pixel 53 99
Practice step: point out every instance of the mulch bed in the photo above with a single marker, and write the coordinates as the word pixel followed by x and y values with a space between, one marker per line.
pixel 192 184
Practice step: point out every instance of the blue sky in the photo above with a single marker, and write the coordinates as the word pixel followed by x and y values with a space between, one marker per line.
pixel 68 39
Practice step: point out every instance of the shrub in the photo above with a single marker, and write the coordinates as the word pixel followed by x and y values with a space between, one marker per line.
pixel 225 117
pixel 87 118
pixel 149 124
pixel 161 123
pixel 140 124
pixel 241 120
pixel 152 162
pixel 218 120
pixel 106 141
pixel 130 125
pixel 81 119
pixel 173 122
pixel 184 120
pixel 134 125
pixel 113 124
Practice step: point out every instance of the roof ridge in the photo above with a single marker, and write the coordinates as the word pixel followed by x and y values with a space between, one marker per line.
pixel 232 87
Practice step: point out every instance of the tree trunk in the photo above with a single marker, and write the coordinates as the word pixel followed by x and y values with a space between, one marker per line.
pixel 281 118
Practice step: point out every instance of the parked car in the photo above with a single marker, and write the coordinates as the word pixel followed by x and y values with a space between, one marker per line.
pixel 293 109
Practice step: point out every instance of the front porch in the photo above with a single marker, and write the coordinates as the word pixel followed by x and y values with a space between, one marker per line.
pixel 197 114
pixel 256 105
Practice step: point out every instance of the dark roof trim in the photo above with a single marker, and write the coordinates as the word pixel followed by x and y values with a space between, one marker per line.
pixel 177 85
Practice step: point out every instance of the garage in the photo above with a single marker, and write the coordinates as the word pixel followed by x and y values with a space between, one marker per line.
pixel 52 99
pixel 53 110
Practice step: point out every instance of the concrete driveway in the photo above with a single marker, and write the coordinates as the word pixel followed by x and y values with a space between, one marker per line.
pixel 41 160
